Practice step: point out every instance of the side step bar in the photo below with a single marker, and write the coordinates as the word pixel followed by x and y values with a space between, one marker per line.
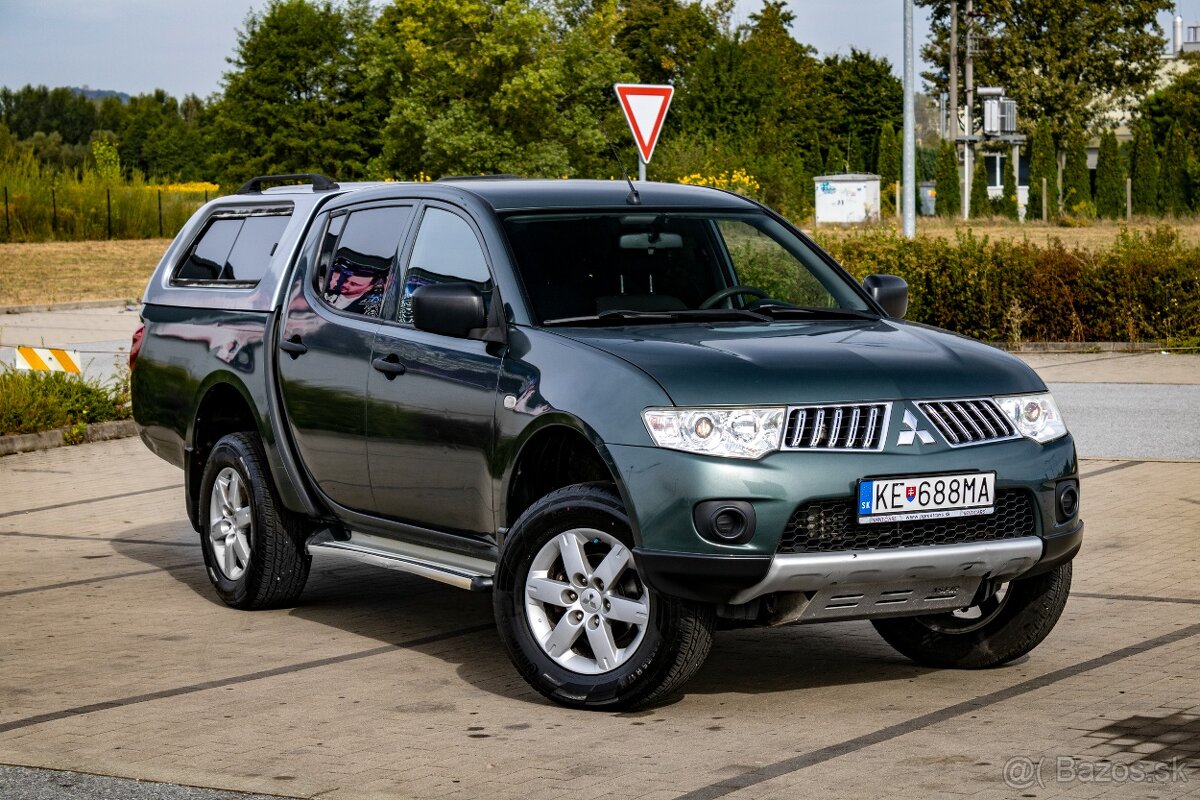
pixel 457 570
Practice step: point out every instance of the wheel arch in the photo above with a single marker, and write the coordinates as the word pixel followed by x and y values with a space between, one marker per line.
pixel 558 450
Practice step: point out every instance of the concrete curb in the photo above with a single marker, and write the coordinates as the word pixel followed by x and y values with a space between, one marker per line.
pixel 1081 347
pixel 72 306
pixel 45 440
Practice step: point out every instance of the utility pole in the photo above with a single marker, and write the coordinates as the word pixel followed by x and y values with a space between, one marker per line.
pixel 910 140
pixel 953 69
pixel 969 79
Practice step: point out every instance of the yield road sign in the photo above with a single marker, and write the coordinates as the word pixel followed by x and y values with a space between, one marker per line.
pixel 645 108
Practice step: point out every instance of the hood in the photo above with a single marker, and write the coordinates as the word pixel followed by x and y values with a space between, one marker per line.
pixel 786 363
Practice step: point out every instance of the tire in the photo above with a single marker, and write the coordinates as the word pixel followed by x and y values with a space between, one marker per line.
pixel 620 645
pixel 1000 630
pixel 253 546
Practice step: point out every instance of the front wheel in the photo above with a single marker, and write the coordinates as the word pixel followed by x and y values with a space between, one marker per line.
pixel 575 616
pixel 253 546
pixel 1006 625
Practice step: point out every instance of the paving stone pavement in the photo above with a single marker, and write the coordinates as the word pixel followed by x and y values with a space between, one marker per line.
pixel 116 659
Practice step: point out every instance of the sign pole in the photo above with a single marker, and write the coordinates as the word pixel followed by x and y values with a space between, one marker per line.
pixel 641 169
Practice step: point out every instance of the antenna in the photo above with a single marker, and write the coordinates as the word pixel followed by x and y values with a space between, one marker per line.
pixel 634 199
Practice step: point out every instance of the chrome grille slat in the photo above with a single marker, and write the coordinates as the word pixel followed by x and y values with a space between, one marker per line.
pixel 967 422
pixel 836 427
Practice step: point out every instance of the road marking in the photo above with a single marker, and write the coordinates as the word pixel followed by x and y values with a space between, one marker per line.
pixel 98 579
pixel 810 759
pixel 88 500
pixel 1113 468
pixel 97 539
pixel 1138 598
pixel 233 680
pixel 47 359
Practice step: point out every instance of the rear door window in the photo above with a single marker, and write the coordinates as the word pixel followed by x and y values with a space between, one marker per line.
pixel 358 255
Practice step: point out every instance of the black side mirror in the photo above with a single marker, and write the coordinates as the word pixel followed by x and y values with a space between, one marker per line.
pixel 890 291
pixel 451 309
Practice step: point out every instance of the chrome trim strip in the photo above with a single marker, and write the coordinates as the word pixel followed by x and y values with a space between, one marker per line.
pixel 811 572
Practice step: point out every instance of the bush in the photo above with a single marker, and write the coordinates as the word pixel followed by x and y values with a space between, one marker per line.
pixel 1145 288
pixel 41 401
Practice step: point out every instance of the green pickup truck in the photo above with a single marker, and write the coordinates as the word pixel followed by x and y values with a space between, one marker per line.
pixel 631 413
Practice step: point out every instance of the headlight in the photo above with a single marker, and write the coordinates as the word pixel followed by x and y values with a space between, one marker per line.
pixel 1034 415
pixel 729 432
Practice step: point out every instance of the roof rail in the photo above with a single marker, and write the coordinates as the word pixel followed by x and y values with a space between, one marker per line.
pixel 502 176
pixel 319 182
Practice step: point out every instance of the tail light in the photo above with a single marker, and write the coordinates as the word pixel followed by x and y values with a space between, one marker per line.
pixel 136 346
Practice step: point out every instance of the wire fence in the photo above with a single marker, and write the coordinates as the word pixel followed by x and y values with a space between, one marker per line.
pixel 77 211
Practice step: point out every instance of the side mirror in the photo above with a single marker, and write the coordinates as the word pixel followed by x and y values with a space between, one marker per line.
pixel 890 291
pixel 451 309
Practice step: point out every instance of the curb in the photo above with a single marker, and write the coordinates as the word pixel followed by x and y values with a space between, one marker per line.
pixel 46 440
pixel 71 306
pixel 1080 347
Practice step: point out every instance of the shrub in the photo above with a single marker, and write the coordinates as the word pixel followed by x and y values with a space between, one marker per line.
pixel 40 401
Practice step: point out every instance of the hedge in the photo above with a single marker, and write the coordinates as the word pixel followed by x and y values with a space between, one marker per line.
pixel 1146 287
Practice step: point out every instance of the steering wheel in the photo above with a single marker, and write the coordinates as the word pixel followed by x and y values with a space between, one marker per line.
pixel 733 291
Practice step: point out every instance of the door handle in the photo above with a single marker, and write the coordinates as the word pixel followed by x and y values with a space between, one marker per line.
pixel 390 365
pixel 293 347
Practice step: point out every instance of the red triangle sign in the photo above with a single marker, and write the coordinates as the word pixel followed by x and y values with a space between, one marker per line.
pixel 645 108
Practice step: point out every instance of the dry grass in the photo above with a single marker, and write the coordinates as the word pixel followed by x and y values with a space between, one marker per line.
pixel 1092 235
pixel 59 272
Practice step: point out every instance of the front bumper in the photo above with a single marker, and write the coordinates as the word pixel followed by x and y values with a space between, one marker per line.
pixel 663 487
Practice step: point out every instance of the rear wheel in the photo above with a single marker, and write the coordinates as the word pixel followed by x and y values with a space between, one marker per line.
pixel 575 616
pixel 1006 625
pixel 253 546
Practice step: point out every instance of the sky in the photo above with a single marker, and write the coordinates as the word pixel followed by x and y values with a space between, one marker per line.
pixel 181 46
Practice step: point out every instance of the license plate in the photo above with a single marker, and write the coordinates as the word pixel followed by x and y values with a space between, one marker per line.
pixel 926 497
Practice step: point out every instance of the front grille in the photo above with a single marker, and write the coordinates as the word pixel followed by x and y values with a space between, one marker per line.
pixel 829 526
pixel 964 422
pixel 860 426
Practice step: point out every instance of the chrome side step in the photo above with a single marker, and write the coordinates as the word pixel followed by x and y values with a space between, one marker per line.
pixel 465 572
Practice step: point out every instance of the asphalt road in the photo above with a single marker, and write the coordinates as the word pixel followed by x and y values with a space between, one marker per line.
pixel 1132 420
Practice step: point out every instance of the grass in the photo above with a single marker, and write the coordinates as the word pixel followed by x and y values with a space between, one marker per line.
pixel 41 401
pixel 59 272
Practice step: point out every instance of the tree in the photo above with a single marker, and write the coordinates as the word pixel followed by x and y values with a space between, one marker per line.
pixel 1077 182
pixel 1009 207
pixel 1066 61
pixel 297 98
pixel 835 160
pixel 862 93
pixel 1143 171
pixel 981 203
pixel 948 192
pixel 660 37
pixel 1177 102
pixel 1110 178
pixel 887 164
pixel 1043 164
pixel 1175 189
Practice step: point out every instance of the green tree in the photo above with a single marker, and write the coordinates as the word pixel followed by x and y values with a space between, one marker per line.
pixel 660 37
pixel 981 203
pixel 1143 171
pixel 887 164
pixel 835 160
pixel 1110 178
pixel 1177 102
pixel 1043 164
pixel 1077 185
pixel 949 193
pixel 1063 61
pixel 862 92
pixel 297 98
pixel 1008 200
pixel 1175 189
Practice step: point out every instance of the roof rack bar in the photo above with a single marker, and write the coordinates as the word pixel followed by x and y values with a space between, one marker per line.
pixel 319 182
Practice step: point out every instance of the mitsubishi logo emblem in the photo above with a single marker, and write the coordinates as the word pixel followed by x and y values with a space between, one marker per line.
pixel 913 432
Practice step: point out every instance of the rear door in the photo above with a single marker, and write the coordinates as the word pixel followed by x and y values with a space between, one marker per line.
pixel 430 418
pixel 333 313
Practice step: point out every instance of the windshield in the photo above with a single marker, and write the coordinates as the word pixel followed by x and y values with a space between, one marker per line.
pixel 614 268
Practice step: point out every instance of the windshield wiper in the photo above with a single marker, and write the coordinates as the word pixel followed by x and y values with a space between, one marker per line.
pixel 618 316
pixel 805 312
